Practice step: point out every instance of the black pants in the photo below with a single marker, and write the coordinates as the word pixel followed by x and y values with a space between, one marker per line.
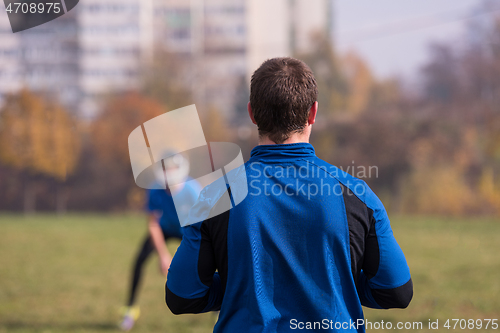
pixel 146 249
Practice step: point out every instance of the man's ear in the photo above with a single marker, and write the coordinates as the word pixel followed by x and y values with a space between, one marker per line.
pixel 312 113
pixel 250 113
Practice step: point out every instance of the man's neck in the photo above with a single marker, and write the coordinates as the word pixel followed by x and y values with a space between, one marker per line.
pixel 295 138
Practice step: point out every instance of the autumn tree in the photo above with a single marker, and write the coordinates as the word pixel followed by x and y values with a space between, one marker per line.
pixel 455 155
pixel 360 81
pixel 332 83
pixel 113 183
pixel 38 138
pixel 442 74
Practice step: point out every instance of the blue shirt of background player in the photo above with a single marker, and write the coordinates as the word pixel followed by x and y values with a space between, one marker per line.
pixel 160 201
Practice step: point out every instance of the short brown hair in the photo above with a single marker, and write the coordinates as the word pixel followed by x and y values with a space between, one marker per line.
pixel 282 91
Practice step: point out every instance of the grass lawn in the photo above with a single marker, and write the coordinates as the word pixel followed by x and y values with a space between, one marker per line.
pixel 70 273
pixel 455 267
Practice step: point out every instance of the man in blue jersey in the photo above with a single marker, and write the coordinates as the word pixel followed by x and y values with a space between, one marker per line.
pixel 163 224
pixel 308 246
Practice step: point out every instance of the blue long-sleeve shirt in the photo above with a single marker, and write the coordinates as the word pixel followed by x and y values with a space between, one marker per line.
pixel 309 243
pixel 161 202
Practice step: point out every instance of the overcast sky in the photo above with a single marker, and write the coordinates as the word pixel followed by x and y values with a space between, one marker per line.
pixel 393 35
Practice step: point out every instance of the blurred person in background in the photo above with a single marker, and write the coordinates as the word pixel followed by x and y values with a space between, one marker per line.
pixel 163 224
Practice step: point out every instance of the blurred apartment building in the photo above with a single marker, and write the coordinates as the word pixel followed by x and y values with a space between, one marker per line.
pixel 101 46
pixel 45 59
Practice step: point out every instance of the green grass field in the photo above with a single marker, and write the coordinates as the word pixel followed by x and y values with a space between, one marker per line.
pixel 70 273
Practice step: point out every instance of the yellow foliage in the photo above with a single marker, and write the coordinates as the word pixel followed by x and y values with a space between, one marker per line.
pixel 120 116
pixel 360 82
pixel 215 126
pixel 490 191
pixel 437 190
pixel 37 136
